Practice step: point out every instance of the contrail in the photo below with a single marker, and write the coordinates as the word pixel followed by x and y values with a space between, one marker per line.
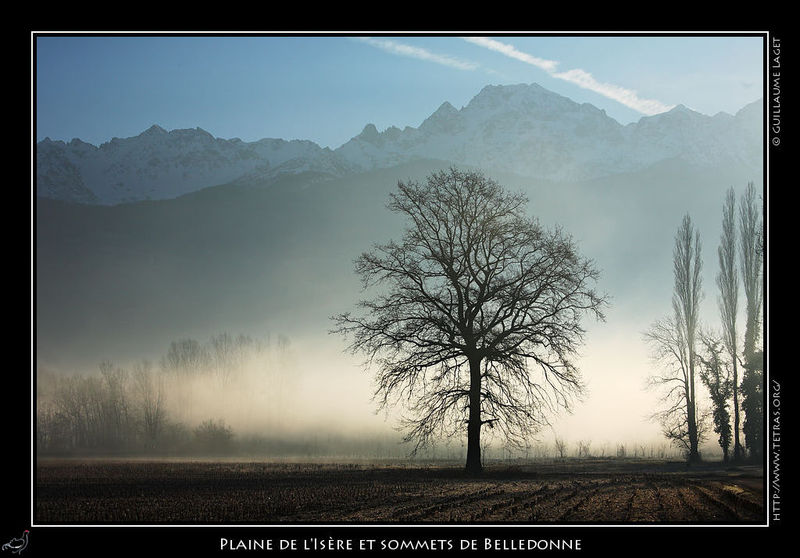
pixel 579 77
pixel 627 97
pixel 420 53
pixel 511 52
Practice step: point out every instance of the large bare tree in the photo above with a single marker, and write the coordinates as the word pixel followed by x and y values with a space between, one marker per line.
pixel 477 317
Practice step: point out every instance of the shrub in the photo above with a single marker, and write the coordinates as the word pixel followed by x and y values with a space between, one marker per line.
pixel 213 437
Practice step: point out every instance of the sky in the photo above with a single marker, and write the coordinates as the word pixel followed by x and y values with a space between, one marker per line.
pixel 327 88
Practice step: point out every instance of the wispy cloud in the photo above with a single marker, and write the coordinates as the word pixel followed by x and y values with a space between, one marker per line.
pixel 511 52
pixel 403 49
pixel 581 78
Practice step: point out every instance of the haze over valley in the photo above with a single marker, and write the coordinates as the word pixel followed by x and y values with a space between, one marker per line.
pixel 179 235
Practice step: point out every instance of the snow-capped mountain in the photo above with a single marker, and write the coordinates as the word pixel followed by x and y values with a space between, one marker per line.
pixel 522 129
pixel 158 164
pixel 530 131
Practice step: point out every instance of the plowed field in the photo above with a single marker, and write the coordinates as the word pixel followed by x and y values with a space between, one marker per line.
pixel 238 493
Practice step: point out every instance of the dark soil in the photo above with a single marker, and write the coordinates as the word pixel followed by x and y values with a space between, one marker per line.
pixel 140 492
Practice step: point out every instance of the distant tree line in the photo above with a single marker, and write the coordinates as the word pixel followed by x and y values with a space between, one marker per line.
pixel 688 352
pixel 138 409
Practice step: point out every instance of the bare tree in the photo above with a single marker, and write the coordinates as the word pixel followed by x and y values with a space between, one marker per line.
pixel 224 356
pixel 149 388
pixel 668 349
pixel 186 357
pixel 561 447
pixel 584 448
pixel 687 265
pixel 480 314
pixel 115 405
pixel 751 236
pixel 673 344
pixel 728 283
pixel 228 354
pixel 751 246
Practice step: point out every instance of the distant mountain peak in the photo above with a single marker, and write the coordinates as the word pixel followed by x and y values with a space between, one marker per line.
pixel 683 109
pixel 153 130
pixel 369 131
pixel 503 93
pixel 524 100
pixel 445 109
pixel 77 142
pixel 440 120
pixel 370 135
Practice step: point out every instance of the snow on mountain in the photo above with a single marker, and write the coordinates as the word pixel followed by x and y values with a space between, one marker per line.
pixel 699 139
pixel 531 131
pixel 523 129
pixel 158 164
pixel 57 177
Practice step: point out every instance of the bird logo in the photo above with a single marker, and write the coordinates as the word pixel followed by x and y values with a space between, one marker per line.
pixel 16 546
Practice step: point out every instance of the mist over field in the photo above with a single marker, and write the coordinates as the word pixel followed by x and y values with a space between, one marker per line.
pixel 121 283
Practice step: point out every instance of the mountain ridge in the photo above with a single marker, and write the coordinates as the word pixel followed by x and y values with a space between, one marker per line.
pixel 523 128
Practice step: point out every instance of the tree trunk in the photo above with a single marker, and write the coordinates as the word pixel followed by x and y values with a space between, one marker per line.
pixel 691 418
pixel 474 425
pixel 694 454
pixel 738 454
pixel 694 438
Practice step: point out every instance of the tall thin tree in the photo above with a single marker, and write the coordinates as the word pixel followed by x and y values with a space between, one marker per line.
pixel 728 283
pixel 687 267
pixel 751 247
pixel 751 239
